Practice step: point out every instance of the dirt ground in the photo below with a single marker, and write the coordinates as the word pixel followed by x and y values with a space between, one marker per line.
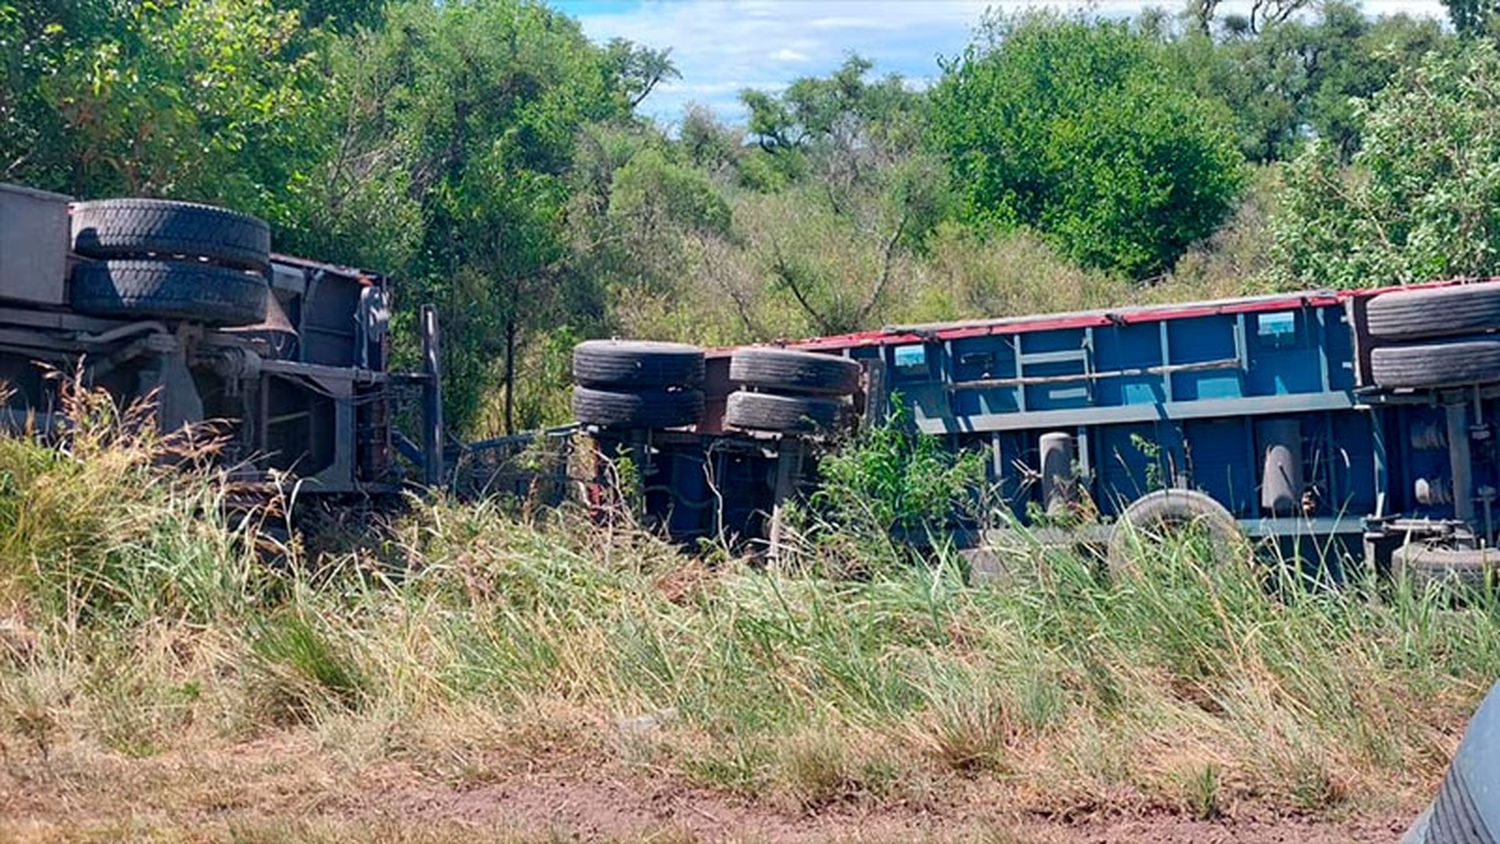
pixel 294 790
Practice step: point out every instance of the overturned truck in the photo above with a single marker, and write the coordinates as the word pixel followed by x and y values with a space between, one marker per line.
pixel 187 306
pixel 1343 426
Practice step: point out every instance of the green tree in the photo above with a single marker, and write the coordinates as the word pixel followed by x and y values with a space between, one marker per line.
pixel 1084 131
pixel 846 125
pixel 1473 18
pixel 1420 200
pixel 216 100
pixel 707 143
pixel 463 118
pixel 866 194
pixel 1296 79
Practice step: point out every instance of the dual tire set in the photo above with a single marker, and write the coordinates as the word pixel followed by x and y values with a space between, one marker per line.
pixel 637 384
pixel 1430 339
pixel 649 385
pixel 158 259
pixel 1435 338
pixel 789 392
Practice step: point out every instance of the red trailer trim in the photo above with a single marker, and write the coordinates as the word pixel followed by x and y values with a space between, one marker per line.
pixel 902 335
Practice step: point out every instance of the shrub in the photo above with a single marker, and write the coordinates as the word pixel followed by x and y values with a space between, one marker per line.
pixel 1083 131
pixel 1419 201
pixel 888 487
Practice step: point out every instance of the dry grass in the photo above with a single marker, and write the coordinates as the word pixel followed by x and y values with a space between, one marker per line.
pixel 154 676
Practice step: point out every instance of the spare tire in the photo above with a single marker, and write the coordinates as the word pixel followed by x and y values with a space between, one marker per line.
pixel 177 290
pixel 1439 312
pixel 784 414
pixel 790 371
pixel 638 409
pixel 1423 564
pixel 1436 365
pixel 637 363
pixel 123 228
pixel 1157 513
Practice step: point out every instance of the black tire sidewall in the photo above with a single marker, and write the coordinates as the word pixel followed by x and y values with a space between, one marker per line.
pixel 778 413
pixel 1169 508
pixel 171 290
pixel 794 372
pixel 140 228
pixel 1429 365
pixel 642 409
pixel 637 364
pixel 1403 315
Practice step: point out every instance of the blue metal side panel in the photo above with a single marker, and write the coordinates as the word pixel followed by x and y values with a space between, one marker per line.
pixel 1058 396
pixel 929 401
pixel 1281 363
pixel 1219 463
pixel 1049 354
pixel 1054 340
pixel 983 359
pixel 1348 451
pixel 1121 464
pixel 922 388
pixel 1200 340
pixel 1128 347
pixel 1338 340
pixel 1015 448
pixel 1424 454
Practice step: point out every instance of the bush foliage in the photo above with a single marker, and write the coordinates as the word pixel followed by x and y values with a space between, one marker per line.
pixel 495 161
pixel 1084 131
pixel 1420 200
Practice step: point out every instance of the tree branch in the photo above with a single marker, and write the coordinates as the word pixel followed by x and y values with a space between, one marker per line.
pixel 741 306
pixel 887 260
pixel 788 278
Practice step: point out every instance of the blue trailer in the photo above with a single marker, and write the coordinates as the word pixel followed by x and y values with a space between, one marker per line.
pixel 1351 424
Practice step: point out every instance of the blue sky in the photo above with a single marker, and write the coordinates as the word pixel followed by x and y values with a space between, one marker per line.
pixel 723 46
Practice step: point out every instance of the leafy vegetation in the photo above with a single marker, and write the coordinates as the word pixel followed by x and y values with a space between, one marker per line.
pixel 494 161
pixel 886 493
pixel 505 647
pixel 1418 201
pixel 1083 131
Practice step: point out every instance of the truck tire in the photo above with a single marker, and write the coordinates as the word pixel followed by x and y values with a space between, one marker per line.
pixel 637 363
pixel 1165 510
pixel 647 409
pixel 1441 312
pixel 127 228
pixel 790 371
pixel 1436 365
pixel 1467 808
pixel 783 414
pixel 175 290
pixel 1423 564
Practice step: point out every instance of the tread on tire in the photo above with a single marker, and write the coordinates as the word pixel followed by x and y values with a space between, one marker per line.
pixel 790 371
pixel 175 290
pixel 123 228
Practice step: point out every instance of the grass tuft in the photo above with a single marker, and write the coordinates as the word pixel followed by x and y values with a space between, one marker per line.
pixel 138 623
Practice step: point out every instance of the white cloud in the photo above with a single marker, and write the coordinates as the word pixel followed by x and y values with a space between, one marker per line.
pixel 724 46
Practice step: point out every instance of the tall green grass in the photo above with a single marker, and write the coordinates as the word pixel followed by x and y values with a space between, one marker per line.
pixel 139 622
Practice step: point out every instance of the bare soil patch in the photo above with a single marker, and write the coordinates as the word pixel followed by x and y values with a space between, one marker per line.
pixel 290 788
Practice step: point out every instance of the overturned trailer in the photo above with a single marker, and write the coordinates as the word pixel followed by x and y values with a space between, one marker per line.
pixel 1345 426
pixel 187 305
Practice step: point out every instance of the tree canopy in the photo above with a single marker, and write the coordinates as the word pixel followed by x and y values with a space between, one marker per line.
pixel 495 161
pixel 1420 199
pixel 1084 131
